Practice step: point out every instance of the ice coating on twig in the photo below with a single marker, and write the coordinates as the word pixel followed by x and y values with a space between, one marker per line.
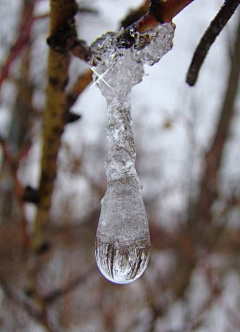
pixel 122 246
pixel 125 65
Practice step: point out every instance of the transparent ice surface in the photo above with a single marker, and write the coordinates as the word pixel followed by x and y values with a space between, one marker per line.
pixel 122 247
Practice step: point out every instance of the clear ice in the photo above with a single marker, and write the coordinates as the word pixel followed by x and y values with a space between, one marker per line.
pixel 122 246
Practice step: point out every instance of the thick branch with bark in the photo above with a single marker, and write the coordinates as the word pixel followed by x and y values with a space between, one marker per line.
pixel 62 12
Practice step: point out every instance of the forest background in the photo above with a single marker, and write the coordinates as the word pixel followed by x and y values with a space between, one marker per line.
pixel 188 153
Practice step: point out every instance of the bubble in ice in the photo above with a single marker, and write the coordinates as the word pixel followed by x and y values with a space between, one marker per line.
pixel 122 246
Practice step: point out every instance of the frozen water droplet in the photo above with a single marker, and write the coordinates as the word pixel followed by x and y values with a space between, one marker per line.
pixel 122 247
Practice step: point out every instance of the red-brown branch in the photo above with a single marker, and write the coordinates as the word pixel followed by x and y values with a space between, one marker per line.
pixel 56 294
pixel 19 190
pixel 22 40
pixel 161 11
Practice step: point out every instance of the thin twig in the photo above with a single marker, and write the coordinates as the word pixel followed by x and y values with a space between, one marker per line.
pixel 21 303
pixel 161 12
pixel 21 41
pixel 214 29
pixel 18 188
pixel 88 10
pixel 208 187
pixel 80 10
pixel 56 294
pixel 77 88
pixel 164 11
pixel 39 315
pixel 135 15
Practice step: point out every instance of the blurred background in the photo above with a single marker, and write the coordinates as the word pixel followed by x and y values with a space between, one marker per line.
pixel 188 156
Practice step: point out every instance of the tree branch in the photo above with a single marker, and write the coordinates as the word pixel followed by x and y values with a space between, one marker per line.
pixel 165 11
pixel 214 29
pixel 39 315
pixel 18 188
pixel 213 158
pixel 77 88
pixel 161 11
pixel 56 294
pixel 22 39
pixel 12 296
pixel 135 15
pixel 61 11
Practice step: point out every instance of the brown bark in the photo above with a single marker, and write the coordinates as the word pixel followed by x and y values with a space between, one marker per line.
pixel 161 11
pixel 62 12
pixel 165 10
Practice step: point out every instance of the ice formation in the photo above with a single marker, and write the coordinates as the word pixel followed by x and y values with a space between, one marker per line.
pixel 122 247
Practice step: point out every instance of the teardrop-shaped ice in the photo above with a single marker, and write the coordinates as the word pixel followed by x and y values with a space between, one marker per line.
pixel 122 246
pixel 122 241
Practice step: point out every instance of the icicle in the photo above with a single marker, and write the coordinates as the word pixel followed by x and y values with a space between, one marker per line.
pixel 122 245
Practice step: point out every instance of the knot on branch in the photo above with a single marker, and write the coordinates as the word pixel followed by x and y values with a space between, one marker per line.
pixel 43 248
pixel 59 40
pixel 30 195
pixel 65 40
pixel 72 117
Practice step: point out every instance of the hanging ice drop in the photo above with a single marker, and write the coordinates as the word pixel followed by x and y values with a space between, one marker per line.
pixel 122 246
pixel 122 240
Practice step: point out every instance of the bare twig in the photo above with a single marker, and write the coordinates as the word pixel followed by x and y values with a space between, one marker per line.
pixel 87 10
pixel 161 12
pixel 208 185
pixel 80 10
pixel 216 26
pixel 56 294
pixel 135 15
pixel 77 88
pixel 12 296
pixel 13 162
pixel 165 10
pixel 22 40
pixel 39 315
